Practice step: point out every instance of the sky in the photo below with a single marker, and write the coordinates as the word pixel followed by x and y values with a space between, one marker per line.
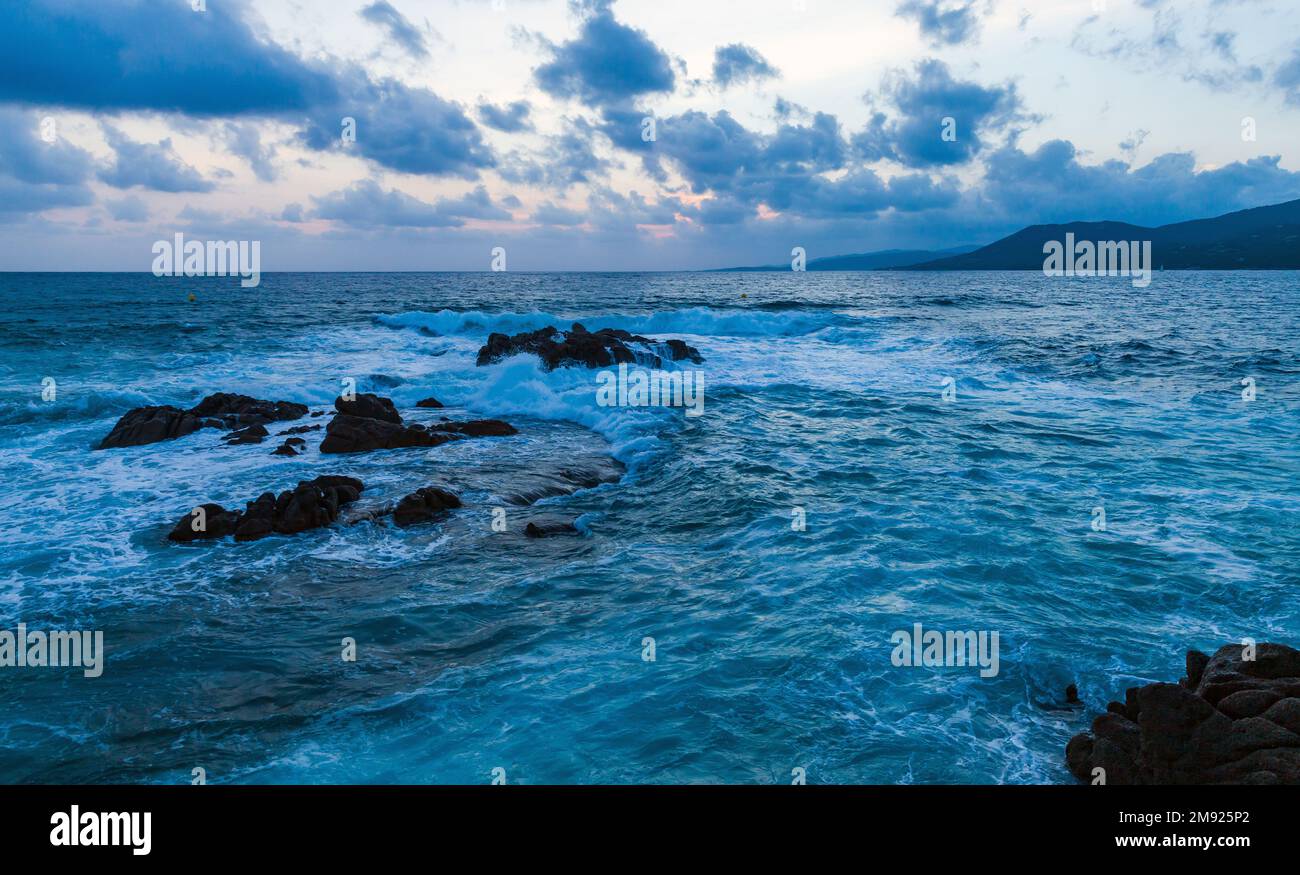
pixel 626 134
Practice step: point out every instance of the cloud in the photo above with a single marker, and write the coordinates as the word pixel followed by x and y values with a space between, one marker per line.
pixel 154 166
pixel 245 141
pixel 942 22
pixel 365 205
pixel 114 56
pixel 1051 185
pixel 549 214
pixel 1287 78
pixel 411 130
pixel 915 136
pixel 737 64
pixel 119 55
pixel 608 64
pixel 127 209
pixel 28 158
pixel 568 158
pixel 399 28
pixel 511 118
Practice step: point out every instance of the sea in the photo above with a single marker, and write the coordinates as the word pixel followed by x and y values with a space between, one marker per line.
pixel 1104 476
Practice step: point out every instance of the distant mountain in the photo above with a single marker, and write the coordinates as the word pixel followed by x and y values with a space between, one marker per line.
pixel 885 259
pixel 1264 238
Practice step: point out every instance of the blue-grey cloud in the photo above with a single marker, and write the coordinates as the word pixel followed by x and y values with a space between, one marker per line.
pixel 119 55
pixel 408 129
pixel 1287 78
pixel 1051 185
pixel 38 172
pixel 113 56
pixel 127 209
pixel 607 64
pixel 737 64
pixel 917 135
pixel 245 140
pixel 942 22
pixel 511 118
pixel 365 205
pixel 568 158
pixel 398 27
pixel 154 166
pixel 550 214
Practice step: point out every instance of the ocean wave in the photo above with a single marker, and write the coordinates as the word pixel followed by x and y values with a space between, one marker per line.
pixel 699 321
pixel 92 405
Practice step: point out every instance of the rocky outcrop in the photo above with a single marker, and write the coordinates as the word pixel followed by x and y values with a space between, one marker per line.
pixel 350 432
pixel 592 349
pixel 356 434
pixel 429 403
pixel 310 505
pixel 1232 720
pixel 424 505
pixel 368 406
pixel 148 425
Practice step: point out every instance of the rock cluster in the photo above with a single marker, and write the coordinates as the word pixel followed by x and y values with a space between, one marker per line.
pixel 310 505
pixel 1232 720
pixel 592 349
pixel 148 425
pixel 369 422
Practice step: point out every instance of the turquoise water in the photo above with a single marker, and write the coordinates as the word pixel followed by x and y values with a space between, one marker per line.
pixel 480 650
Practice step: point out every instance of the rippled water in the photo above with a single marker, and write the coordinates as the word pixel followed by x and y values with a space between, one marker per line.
pixel 479 650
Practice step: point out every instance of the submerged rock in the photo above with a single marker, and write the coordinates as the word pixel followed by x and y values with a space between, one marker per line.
pixel 290 447
pixel 215 522
pixel 310 505
pixel 252 434
pixel 477 428
pixel 1230 721
pixel 148 425
pixel 424 505
pixel 548 528
pixel 300 429
pixel 578 346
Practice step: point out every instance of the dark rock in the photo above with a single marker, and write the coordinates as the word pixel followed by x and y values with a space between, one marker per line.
pixel 310 505
pixel 1072 694
pixel 424 505
pixel 578 346
pixel 291 447
pixel 319 412
pixel 430 403
pixel 548 528
pixel 369 406
pixel 217 522
pixel 1230 721
pixel 478 428
pixel 1196 663
pixel 1247 703
pixel 252 434
pixel 356 434
pixel 300 429
pixel 239 410
pixel 148 425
